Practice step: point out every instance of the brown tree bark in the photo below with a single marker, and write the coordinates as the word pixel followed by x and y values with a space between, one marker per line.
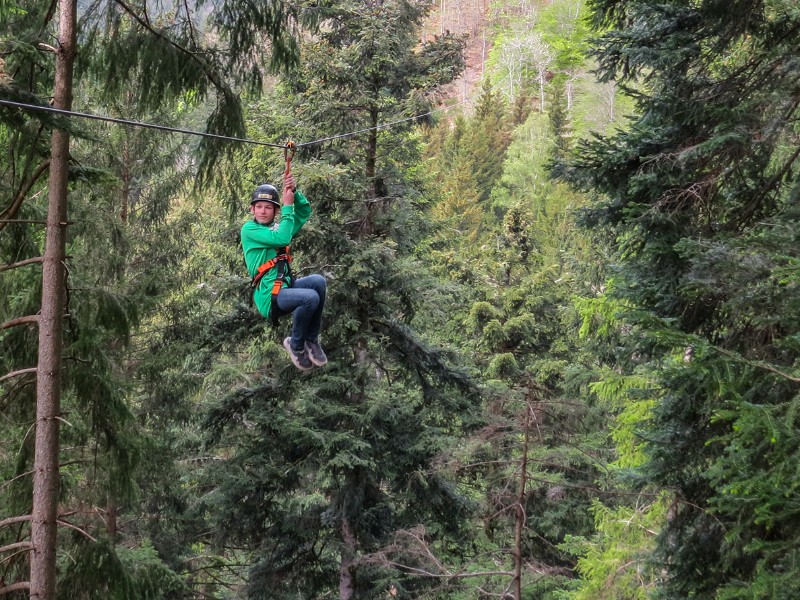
pixel 48 383
pixel 519 509
pixel 370 173
pixel 347 584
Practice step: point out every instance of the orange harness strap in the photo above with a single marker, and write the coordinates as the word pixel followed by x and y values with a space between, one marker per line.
pixel 281 260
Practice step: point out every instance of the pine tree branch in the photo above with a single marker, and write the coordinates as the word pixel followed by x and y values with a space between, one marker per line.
pixel 15 546
pixel 12 520
pixel 22 192
pixel 20 321
pixel 757 364
pixel 146 24
pixel 18 373
pixel 15 587
pixel 22 263
pixel 13 479
pixel 751 206
pixel 76 528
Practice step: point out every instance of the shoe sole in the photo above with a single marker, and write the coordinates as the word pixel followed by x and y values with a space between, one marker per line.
pixel 287 345
pixel 314 362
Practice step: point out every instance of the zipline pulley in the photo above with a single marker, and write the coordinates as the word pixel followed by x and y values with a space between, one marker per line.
pixel 288 154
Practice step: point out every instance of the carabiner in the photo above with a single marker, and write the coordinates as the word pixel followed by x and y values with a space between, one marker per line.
pixel 288 153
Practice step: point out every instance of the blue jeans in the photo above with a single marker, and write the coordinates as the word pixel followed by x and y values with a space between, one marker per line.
pixel 305 300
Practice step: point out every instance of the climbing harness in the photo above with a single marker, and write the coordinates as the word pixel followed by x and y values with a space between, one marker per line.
pixel 281 261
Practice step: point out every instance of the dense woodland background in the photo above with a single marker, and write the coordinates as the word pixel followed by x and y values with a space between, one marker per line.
pixel 563 324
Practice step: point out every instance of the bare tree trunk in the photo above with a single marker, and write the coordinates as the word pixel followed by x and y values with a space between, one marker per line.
pixel 370 172
pixel 126 181
pixel 48 383
pixel 519 511
pixel 111 518
pixel 347 584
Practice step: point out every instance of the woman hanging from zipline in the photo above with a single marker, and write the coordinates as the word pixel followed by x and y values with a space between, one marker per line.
pixel 265 244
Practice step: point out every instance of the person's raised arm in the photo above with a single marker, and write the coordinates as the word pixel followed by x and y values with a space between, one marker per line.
pixel 289 186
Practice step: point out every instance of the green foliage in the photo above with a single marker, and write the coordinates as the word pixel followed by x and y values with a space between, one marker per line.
pixel 517 320
pixel 616 565
pixel 95 570
pixel 218 469
pixel 502 365
pixel 351 447
pixel 698 196
pixel 150 577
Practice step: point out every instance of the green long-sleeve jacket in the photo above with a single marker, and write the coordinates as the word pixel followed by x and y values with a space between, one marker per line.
pixel 259 244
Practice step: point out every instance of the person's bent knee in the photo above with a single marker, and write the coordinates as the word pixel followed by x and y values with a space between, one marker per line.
pixel 318 281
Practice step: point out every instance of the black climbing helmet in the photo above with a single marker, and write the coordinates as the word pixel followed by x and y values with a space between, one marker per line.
pixel 265 193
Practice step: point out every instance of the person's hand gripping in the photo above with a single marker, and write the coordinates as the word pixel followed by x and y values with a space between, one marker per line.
pixel 289 184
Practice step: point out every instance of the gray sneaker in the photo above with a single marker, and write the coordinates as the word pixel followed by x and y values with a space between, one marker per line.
pixel 300 359
pixel 316 354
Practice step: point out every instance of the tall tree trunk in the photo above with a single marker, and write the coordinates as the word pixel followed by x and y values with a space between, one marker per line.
pixel 126 180
pixel 347 584
pixel 48 382
pixel 111 518
pixel 370 172
pixel 519 511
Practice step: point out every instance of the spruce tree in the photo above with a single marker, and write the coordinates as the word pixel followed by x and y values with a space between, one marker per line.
pixel 700 201
pixel 124 48
pixel 324 469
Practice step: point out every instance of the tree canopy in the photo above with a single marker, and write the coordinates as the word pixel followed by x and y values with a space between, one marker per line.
pixel 561 246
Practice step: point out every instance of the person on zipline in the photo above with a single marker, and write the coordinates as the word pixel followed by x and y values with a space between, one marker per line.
pixel 266 253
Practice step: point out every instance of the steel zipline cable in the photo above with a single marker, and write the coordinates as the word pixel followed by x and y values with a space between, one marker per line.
pixel 82 115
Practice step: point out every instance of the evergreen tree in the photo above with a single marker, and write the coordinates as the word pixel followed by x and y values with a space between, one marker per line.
pixel 701 204
pixel 124 48
pixel 322 471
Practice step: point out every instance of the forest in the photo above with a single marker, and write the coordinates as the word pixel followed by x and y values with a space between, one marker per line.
pixel 561 241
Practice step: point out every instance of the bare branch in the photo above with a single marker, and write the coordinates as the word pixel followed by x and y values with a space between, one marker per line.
pixel 20 321
pixel 22 263
pixel 13 479
pixel 18 373
pixel 11 557
pixel 189 21
pixel 15 546
pixel 15 587
pixel 76 528
pixel 26 186
pixel 461 575
pixel 12 520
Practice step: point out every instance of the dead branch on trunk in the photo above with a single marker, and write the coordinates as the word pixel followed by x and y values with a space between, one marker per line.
pixel 15 546
pixel 22 263
pixel 18 373
pixel 15 587
pixel 12 520
pixel 76 528
pixel 20 321
pixel 26 186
